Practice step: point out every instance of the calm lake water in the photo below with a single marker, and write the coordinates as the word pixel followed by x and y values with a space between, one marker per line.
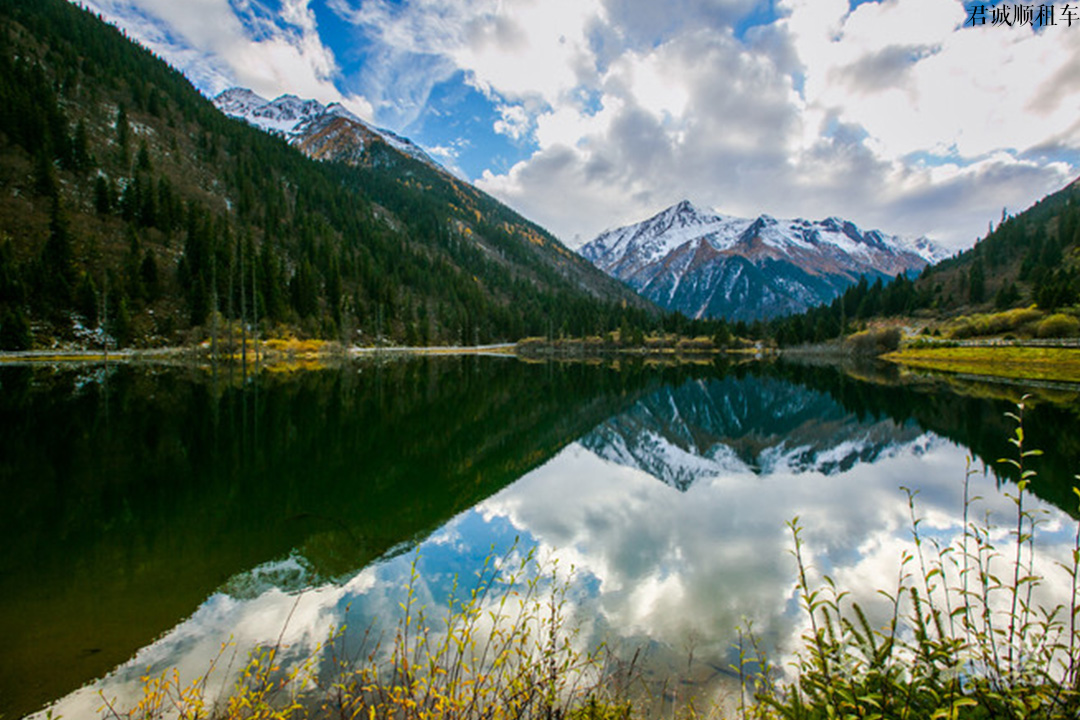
pixel 153 513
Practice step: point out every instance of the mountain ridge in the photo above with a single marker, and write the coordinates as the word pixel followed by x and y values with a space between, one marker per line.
pixel 306 122
pixel 136 213
pixel 707 264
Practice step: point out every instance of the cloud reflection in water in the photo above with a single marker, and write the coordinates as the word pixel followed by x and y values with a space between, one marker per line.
pixel 672 567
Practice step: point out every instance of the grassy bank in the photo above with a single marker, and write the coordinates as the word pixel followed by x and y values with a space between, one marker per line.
pixel 1022 363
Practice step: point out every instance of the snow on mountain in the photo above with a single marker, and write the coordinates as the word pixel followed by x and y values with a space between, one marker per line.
pixel 733 426
pixel 239 102
pixel 323 131
pixel 711 265
pixel 660 235
pixel 924 247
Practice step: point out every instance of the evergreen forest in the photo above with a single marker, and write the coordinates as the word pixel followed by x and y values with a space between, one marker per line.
pixel 133 212
pixel 1032 258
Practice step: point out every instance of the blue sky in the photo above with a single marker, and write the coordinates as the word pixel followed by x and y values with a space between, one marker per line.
pixel 588 114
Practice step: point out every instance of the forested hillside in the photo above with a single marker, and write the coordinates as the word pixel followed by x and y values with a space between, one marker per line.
pixel 1028 258
pixel 1032 258
pixel 130 206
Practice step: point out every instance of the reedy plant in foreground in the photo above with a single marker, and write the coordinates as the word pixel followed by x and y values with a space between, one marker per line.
pixel 503 650
pixel 965 637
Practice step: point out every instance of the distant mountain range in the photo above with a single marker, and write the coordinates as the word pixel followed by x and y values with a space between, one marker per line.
pixel 710 265
pixel 324 132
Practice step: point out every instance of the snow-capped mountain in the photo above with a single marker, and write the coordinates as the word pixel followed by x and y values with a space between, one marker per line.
pixel 325 132
pixel 711 265
pixel 708 428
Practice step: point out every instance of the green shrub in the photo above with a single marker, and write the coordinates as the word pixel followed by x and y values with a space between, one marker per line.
pixel 874 342
pixel 996 323
pixel 1058 325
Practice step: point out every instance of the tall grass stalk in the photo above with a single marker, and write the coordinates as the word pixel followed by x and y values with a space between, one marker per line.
pixel 966 636
pixel 503 649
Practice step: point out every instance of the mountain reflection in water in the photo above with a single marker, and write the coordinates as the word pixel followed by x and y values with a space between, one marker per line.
pixel 711 427
pixel 675 567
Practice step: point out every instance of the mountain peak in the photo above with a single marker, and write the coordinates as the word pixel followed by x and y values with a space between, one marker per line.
pixel 236 99
pixel 751 269
pixel 305 123
pixel 341 111
pixel 684 207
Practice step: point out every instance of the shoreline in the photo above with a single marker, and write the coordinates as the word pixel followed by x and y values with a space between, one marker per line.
pixel 268 352
pixel 1046 364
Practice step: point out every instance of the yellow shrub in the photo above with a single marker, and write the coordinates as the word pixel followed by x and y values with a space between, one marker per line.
pixel 1058 325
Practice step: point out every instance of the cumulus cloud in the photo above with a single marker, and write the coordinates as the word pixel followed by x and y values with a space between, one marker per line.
pixel 522 54
pixel 696 115
pixel 221 45
pixel 916 80
pixel 514 121
pixel 893 114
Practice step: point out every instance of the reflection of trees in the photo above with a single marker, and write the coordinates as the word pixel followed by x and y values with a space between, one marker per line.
pixel 128 502
pixel 975 421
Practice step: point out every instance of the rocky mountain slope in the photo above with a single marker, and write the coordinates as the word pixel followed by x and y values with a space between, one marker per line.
pixel 324 132
pixel 710 265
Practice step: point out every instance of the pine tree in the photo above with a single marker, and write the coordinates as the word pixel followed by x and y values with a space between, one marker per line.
pixel 80 149
pixel 14 330
pixel 86 299
pixel 103 196
pixel 57 260
pixel 977 282
pixel 123 134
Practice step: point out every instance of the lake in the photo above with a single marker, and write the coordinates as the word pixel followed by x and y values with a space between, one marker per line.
pixel 155 513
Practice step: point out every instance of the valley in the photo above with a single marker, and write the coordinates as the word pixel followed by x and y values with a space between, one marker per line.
pixel 323 395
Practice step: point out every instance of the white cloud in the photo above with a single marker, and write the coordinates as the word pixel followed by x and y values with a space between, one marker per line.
pixel 218 49
pixel 658 81
pixel 513 122
pixel 529 48
pixel 696 115
pixel 892 114
pixel 524 54
pixel 916 80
